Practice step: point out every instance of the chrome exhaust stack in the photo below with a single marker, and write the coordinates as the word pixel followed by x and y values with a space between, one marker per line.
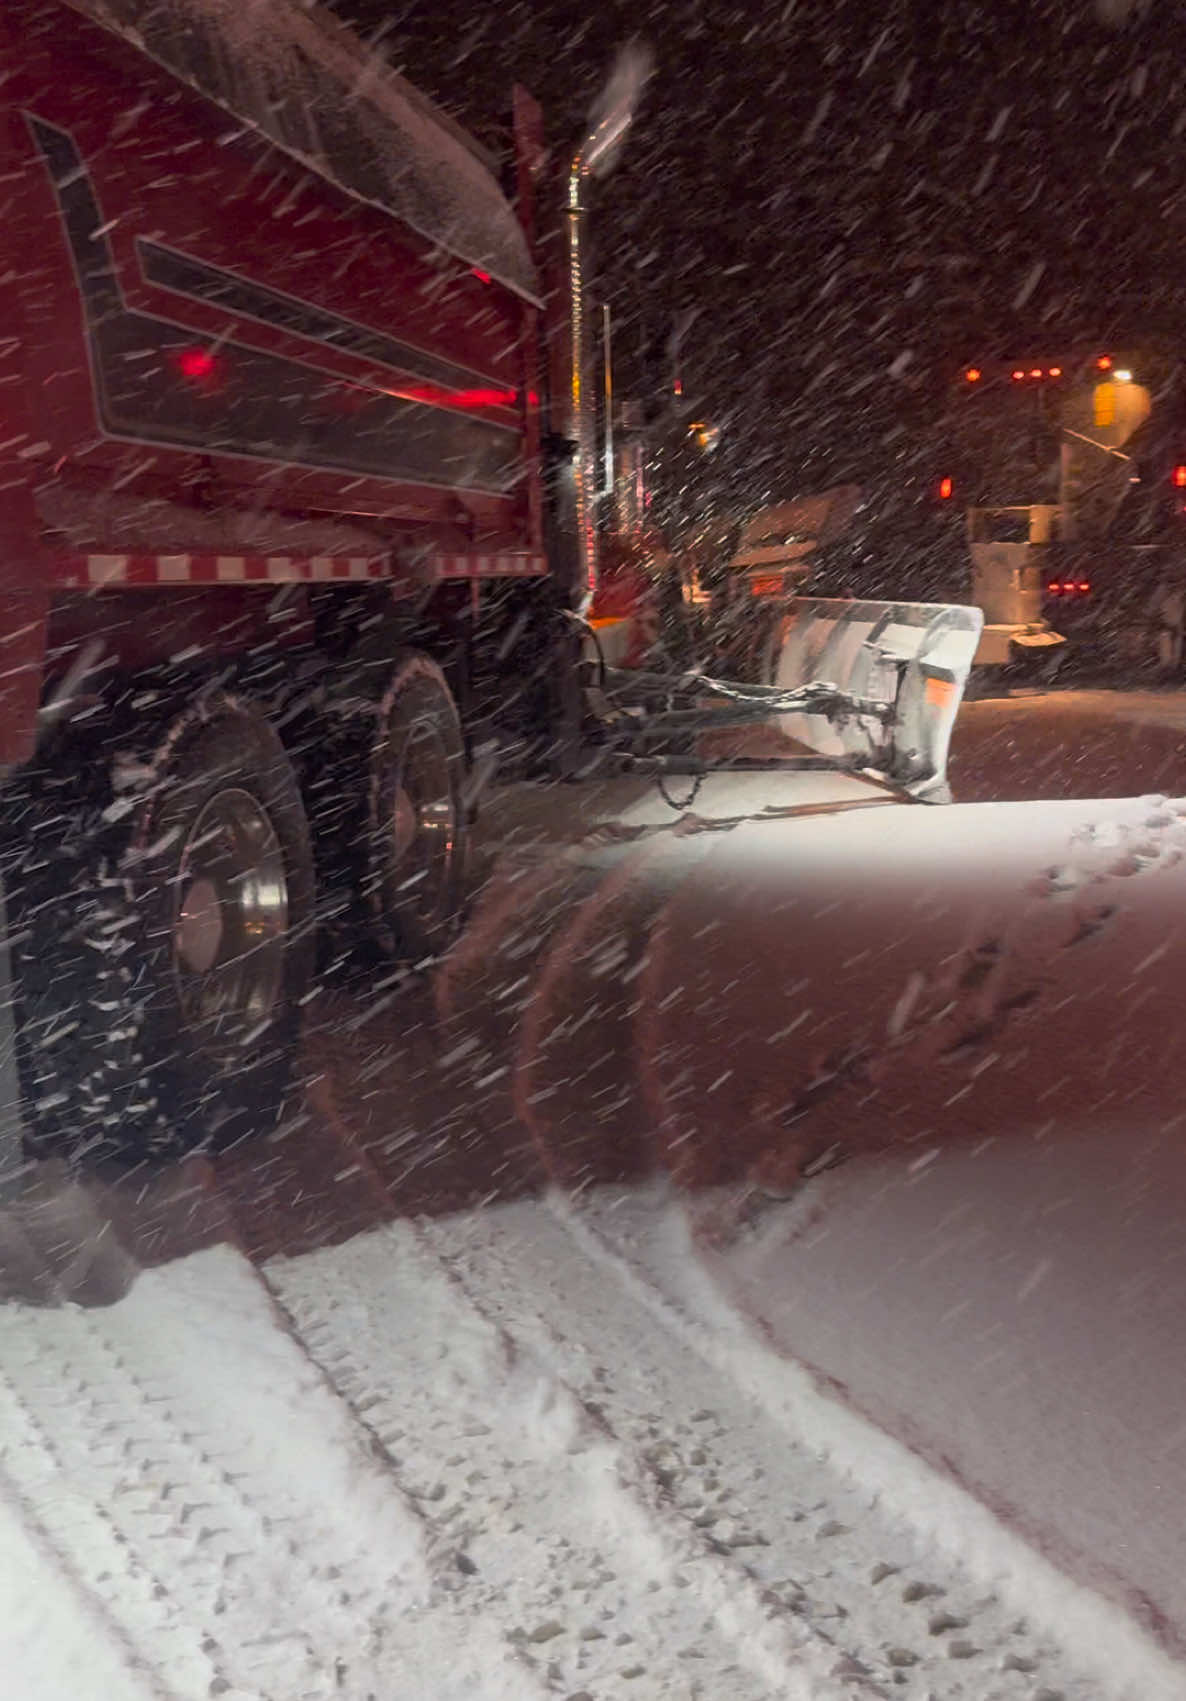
pixel 609 122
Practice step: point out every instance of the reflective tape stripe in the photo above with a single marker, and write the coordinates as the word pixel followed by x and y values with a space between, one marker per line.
pixel 95 571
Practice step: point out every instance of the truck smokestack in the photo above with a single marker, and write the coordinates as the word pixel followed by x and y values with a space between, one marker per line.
pixel 613 111
pixel 610 119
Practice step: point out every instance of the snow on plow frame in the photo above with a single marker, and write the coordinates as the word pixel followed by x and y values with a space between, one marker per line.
pixel 903 665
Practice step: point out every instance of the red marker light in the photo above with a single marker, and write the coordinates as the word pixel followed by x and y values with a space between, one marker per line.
pixel 1018 375
pixel 1036 373
pixel 973 375
pixel 1055 372
pixel 1053 588
pixel 945 489
pixel 437 397
pixel 1084 586
pixel 196 363
pixel 482 277
pixel 1180 477
pixel 1104 363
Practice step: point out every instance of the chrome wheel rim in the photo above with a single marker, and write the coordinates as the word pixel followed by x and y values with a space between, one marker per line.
pixel 230 920
pixel 419 825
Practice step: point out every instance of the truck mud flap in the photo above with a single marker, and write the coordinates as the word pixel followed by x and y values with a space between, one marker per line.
pixel 58 1244
pixel 905 665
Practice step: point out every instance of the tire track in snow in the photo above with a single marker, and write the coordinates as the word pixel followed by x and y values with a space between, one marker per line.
pixel 119 1586
pixel 862 1587
pixel 58 1642
pixel 1072 1645
pixel 558 1526
pixel 213 1498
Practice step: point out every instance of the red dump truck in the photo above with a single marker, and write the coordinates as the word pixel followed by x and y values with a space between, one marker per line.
pixel 297 513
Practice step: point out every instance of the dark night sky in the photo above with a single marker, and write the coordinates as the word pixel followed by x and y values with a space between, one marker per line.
pixel 857 198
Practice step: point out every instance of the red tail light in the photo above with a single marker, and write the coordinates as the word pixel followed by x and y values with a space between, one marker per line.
pixel 946 489
pixel 196 364
pixel 1180 477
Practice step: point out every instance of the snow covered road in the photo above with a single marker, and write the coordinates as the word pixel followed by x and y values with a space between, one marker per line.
pixel 398 1424
pixel 515 1452
pixel 1013 1310
pixel 1070 743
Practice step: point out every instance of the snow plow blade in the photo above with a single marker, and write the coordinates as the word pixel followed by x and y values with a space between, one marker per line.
pixel 906 664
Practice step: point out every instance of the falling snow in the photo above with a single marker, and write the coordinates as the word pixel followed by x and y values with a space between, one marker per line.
pixel 592 851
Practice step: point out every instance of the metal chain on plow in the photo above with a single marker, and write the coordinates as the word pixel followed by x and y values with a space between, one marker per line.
pixel 816 698
pixel 661 719
pixel 675 803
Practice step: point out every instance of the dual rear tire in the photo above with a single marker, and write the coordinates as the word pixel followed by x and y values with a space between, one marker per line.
pixel 163 910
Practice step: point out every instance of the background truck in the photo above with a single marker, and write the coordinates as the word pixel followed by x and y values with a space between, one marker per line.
pixel 297 514
pixel 1072 471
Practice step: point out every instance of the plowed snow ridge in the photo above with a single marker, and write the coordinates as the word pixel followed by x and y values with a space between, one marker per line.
pixel 490 1456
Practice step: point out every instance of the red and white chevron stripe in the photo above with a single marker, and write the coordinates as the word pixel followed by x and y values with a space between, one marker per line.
pixel 94 572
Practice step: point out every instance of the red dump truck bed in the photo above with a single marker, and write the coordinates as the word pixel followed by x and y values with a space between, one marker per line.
pixel 266 317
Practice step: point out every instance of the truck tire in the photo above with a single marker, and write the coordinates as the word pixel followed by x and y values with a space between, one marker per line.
pixel 417 827
pixel 163 937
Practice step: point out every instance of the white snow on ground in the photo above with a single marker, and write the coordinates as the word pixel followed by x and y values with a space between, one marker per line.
pixel 57 1645
pixel 519 1452
pixel 196 1478
pixel 1013 1306
pixel 732 1294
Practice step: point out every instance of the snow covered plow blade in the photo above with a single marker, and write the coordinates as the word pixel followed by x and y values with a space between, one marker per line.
pixel 903 665
pixel 781 977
